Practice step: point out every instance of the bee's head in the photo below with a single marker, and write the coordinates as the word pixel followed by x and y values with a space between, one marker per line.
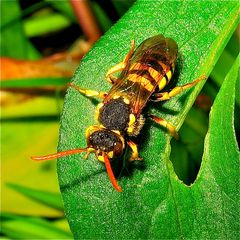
pixel 105 141
pixel 106 144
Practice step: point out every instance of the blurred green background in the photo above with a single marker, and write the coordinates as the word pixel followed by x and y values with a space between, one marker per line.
pixel 44 42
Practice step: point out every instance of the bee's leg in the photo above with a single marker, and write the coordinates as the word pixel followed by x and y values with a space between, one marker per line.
pixel 89 93
pixel 134 149
pixel 120 66
pixel 156 97
pixel 166 124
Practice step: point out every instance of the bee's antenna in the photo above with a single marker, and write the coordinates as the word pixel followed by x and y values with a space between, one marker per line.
pixel 110 173
pixel 59 154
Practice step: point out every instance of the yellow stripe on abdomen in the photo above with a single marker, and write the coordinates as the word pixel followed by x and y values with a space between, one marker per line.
pixel 161 78
pixel 137 66
pixel 157 76
pixel 169 75
pixel 162 83
pixel 141 80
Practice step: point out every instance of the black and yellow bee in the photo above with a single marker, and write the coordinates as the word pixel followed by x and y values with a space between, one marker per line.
pixel 144 74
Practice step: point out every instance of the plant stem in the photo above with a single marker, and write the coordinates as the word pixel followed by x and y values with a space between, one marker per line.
pixel 86 19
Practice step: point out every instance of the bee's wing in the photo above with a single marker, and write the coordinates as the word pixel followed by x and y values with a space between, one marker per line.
pixel 156 48
pixel 150 52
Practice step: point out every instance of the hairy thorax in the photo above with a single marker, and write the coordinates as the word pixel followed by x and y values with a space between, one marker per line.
pixel 114 114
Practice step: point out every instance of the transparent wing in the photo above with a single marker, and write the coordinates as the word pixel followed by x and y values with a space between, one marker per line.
pixel 157 52
pixel 158 48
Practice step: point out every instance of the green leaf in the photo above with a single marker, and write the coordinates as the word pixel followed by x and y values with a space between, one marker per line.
pixel 35 82
pixel 103 20
pixel 13 41
pixel 32 228
pixel 29 128
pixel 186 152
pixel 122 6
pixel 39 25
pixel 64 7
pixel 52 224
pixel 218 180
pixel 154 203
pixel 48 198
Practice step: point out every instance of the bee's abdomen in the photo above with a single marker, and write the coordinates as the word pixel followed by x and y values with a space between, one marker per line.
pixel 150 73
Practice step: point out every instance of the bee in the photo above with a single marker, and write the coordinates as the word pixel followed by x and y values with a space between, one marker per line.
pixel 145 72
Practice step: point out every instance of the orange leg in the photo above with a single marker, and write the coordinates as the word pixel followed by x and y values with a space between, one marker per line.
pixel 134 149
pixel 165 124
pixel 89 93
pixel 120 66
pixel 175 91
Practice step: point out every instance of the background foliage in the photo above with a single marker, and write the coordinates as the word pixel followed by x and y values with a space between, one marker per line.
pixel 31 205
